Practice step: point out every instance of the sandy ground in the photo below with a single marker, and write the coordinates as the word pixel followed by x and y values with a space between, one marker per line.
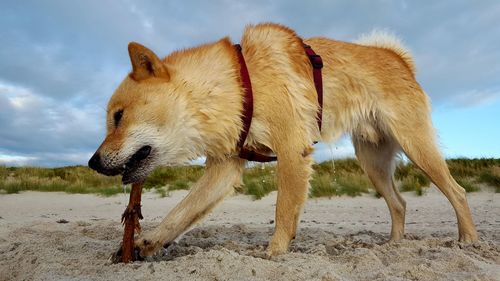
pixel 338 239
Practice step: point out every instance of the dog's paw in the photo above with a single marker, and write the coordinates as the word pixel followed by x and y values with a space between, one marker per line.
pixel 146 247
pixel 117 256
pixel 275 249
pixel 271 253
pixel 468 238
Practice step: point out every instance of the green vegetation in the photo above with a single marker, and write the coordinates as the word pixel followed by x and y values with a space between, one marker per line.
pixel 468 185
pixel 338 178
pixel 165 179
pixel 491 177
pixel 259 181
pixel 67 179
pixel 471 172
pixel 411 178
pixel 341 177
pixel 81 179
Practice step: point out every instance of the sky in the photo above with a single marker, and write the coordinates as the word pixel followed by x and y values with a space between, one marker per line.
pixel 60 61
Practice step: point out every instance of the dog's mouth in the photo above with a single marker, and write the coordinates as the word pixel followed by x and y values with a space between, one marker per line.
pixel 134 170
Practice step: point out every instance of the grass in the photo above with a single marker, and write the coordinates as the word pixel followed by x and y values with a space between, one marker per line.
pixel 67 179
pixel 468 184
pixel 491 177
pixel 342 177
pixel 323 186
pixel 410 184
pixel 412 179
pixel 163 192
pixel 259 181
pixel 175 177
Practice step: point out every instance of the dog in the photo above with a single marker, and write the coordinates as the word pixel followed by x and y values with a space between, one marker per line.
pixel 173 110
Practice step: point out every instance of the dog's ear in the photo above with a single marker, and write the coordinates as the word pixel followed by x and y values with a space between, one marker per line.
pixel 145 63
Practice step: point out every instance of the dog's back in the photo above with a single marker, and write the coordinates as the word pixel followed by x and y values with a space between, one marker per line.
pixel 367 86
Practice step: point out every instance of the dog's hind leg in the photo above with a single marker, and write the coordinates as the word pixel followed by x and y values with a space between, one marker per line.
pixel 377 160
pixel 412 128
pixel 217 182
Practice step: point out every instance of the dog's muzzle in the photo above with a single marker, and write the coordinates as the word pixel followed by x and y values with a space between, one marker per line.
pixel 140 155
pixel 96 163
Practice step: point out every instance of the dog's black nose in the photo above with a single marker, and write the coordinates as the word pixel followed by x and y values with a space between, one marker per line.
pixel 95 162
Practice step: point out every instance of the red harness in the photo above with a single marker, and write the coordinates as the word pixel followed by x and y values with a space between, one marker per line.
pixel 246 118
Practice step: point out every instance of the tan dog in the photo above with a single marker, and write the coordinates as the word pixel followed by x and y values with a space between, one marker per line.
pixel 170 111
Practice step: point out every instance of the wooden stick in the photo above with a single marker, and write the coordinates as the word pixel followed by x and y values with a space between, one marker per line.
pixel 130 219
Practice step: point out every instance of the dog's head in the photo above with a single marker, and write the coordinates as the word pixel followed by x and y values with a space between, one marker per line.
pixel 148 122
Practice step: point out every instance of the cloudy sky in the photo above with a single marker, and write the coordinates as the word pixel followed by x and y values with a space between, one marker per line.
pixel 61 60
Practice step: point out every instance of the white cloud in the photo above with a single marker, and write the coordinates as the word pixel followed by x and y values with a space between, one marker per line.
pixel 42 130
pixel 16 160
pixel 19 97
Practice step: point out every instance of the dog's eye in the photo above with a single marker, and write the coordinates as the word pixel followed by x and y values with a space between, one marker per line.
pixel 117 117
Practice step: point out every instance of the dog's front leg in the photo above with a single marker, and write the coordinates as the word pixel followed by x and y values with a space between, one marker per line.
pixel 294 170
pixel 218 181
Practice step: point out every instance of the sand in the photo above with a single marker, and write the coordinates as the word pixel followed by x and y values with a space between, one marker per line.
pixel 56 236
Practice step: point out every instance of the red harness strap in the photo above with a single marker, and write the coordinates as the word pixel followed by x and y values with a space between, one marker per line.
pixel 247 114
pixel 317 64
pixel 246 118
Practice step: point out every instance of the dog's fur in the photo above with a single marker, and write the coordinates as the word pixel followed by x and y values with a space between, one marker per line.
pixel 190 103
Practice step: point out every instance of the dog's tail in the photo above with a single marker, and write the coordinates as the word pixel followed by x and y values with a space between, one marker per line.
pixel 387 40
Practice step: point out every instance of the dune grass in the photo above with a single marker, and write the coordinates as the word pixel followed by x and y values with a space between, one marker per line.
pixel 411 178
pixel 468 184
pixel 470 173
pixel 76 179
pixel 258 181
pixel 342 177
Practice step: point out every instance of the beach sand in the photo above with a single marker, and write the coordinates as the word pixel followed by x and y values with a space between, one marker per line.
pixel 57 236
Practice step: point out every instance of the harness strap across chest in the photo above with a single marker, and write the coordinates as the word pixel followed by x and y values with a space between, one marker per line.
pixel 246 118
